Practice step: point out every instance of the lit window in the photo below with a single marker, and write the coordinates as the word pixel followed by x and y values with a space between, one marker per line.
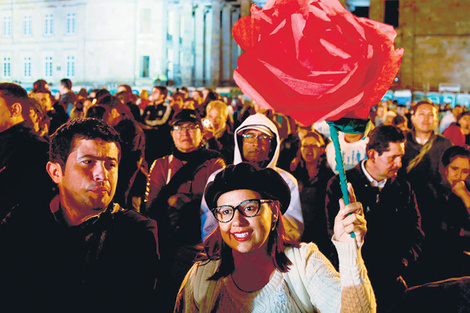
pixel 70 66
pixel 48 72
pixel 27 67
pixel 70 23
pixel 7 26
pixel 6 67
pixel 49 24
pixel 27 26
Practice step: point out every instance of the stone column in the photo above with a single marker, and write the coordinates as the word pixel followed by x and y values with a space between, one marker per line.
pixel 198 25
pixel 187 38
pixel 226 43
pixel 215 44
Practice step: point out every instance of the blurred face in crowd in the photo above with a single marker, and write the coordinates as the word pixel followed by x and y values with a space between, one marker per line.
pixel 256 145
pixel 187 136
pixel 311 149
pixel 464 123
pixel 156 95
pixel 216 118
pixel 45 100
pixel 425 118
pixel 87 182
pixel 457 170
pixel 380 111
pixel 246 234
pixel 387 164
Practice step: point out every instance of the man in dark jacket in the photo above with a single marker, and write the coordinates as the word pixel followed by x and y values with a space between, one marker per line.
pixel 81 253
pixel 394 236
pixel 23 154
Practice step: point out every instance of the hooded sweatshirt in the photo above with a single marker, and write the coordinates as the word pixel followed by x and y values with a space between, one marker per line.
pixel 292 218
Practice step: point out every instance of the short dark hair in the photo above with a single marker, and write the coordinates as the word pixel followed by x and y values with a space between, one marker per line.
pixel 62 141
pixel 13 93
pixel 39 84
pixel 67 83
pixel 163 90
pixel 381 136
pixel 127 88
pixel 455 151
pixel 398 119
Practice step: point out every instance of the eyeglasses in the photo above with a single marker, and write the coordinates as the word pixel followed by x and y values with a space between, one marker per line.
pixel 247 208
pixel 252 138
pixel 190 128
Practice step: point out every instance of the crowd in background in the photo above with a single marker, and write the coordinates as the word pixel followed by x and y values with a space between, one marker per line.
pixel 430 241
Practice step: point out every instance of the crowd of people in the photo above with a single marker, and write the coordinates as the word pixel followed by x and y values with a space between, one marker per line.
pixel 193 201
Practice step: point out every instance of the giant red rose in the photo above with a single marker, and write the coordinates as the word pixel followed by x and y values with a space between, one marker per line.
pixel 314 60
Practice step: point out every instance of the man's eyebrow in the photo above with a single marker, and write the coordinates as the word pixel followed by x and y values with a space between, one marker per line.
pixel 94 157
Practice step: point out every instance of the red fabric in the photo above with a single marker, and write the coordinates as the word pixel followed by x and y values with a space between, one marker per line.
pixel 314 60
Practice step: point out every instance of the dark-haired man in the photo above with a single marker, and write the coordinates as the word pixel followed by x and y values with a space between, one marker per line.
pixel 23 154
pixel 67 96
pixel 393 221
pixel 82 253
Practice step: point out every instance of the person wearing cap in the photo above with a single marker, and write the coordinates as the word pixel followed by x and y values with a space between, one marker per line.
pixel 458 131
pixel 249 265
pixel 173 195
pixel 257 141
pixel 424 147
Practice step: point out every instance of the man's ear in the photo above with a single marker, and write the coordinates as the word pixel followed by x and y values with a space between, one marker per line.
pixel 55 171
pixel 16 109
pixel 372 154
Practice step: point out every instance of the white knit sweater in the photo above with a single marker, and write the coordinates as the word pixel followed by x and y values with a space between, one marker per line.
pixel 328 290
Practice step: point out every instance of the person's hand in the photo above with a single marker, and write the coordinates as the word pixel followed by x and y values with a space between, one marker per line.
pixel 350 219
pixel 208 133
pixel 460 189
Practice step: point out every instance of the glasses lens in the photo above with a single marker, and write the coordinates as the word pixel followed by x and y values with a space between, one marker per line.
pixel 249 208
pixel 224 213
pixel 251 138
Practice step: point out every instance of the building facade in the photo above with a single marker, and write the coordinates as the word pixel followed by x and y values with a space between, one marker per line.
pixel 103 43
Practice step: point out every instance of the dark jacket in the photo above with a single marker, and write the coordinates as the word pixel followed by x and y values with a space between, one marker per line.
pixel 428 168
pixel 106 264
pixel 312 197
pixel 23 175
pixel 225 145
pixel 394 236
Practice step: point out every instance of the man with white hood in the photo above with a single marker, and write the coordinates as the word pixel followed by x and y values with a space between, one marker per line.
pixel 257 141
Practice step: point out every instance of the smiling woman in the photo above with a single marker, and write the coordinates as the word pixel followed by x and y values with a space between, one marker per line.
pixel 249 265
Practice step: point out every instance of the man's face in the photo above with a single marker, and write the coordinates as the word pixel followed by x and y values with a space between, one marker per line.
pixel 256 146
pixel 387 165
pixel 457 170
pixel 464 123
pixel 156 95
pixel 88 182
pixel 425 118
pixel 45 100
pixel 311 149
pixel 187 136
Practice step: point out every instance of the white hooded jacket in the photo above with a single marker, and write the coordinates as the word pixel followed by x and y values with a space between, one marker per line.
pixel 292 218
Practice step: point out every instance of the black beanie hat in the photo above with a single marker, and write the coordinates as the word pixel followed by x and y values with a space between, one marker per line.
pixel 266 181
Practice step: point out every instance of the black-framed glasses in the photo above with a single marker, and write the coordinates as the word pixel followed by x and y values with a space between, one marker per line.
pixel 247 208
pixel 190 128
pixel 252 138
